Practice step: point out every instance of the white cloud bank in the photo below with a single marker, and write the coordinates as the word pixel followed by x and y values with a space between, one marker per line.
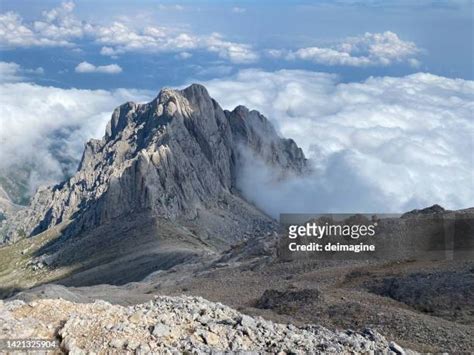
pixel 59 27
pixel 43 129
pixel 12 72
pixel 119 38
pixel 86 67
pixel 385 144
pixel 9 72
pixel 370 49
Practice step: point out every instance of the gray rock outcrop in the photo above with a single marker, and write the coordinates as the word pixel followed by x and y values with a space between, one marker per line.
pixel 175 324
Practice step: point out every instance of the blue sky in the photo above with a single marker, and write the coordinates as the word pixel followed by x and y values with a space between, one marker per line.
pixel 441 33
pixel 379 94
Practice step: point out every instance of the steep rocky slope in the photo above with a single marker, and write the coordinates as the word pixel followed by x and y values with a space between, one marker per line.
pixel 175 157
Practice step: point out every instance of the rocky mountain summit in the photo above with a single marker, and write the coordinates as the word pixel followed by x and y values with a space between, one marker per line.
pixel 176 157
pixel 171 324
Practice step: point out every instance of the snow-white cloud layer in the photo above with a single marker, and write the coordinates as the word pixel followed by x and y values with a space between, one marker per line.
pixel 370 49
pixel 44 129
pixel 385 144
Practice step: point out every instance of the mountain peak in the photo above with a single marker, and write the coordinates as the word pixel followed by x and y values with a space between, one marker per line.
pixel 196 90
pixel 195 93
pixel 174 157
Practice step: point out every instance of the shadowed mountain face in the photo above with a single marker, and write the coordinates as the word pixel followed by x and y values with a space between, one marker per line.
pixel 176 157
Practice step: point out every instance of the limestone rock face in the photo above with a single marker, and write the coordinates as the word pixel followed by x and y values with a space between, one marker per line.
pixel 174 157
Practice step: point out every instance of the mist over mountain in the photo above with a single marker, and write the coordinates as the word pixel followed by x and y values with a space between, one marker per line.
pixel 385 144
pixel 367 138
pixel 43 131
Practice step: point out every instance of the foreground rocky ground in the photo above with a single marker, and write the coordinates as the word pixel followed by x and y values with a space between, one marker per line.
pixel 168 324
pixel 423 306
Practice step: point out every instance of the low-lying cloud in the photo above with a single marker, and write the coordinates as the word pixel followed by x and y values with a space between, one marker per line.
pixel 44 129
pixel 13 72
pixel 385 144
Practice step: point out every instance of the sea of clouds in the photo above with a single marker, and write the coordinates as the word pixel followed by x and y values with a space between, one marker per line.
pixel 43 129
pixel 384 144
